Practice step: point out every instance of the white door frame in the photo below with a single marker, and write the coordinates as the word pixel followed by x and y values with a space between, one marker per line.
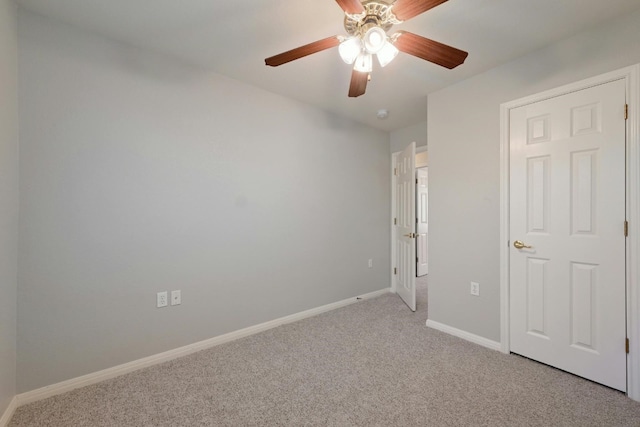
pixel 392 279
pixel 631 76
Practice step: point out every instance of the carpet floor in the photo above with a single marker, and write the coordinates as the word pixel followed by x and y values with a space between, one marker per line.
pixel 373 363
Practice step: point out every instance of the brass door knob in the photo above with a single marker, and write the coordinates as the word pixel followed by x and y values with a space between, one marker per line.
pixel 410 235
pixel 519 245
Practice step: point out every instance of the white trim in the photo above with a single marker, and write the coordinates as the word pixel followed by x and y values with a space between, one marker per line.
pixel 631 76
pixel 505 345
pixel 8 413
pixel 468 336
pixel 633 241
pixel 96 377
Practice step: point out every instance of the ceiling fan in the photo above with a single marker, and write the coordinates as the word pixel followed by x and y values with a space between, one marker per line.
pixel 367 23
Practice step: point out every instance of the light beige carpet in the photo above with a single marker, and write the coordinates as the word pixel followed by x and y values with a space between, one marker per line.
pixel 373 363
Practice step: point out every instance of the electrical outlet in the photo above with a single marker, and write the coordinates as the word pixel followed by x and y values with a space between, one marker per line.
pixel 475 289
pixel 370 263
pixel 162 299
pixel 176 298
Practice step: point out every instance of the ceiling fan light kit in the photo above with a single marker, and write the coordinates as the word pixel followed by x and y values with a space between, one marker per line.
pixel 350 49
pixel 387 54
pixel 364 63
pixel 367 22
pixel 374 39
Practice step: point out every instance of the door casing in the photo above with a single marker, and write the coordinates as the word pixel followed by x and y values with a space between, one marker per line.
pixel 631 76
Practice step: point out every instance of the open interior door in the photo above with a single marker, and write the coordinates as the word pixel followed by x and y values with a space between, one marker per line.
pixel 405 222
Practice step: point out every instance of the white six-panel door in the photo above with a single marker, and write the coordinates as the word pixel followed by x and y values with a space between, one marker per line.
pixel 422 221
pixel 405 227
pixel 567 201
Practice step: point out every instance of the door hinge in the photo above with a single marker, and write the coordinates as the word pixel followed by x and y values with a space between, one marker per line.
pixel 416 220
pixel 626 229
pixel 395 270
pixel 395 171
pixel 417 260
pixel 416 180
pixel 626 345
pixel 626 111
pixel 395 221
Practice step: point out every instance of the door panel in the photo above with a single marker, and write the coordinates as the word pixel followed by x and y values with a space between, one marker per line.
pixel 567 195
pixel 406 219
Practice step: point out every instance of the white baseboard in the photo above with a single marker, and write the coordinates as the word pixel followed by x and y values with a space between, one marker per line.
pixel 476 339
pixel 8 413
pixel 96 377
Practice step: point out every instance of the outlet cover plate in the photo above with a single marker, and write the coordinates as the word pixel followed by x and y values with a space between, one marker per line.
pixel 162 299
pixel 475 289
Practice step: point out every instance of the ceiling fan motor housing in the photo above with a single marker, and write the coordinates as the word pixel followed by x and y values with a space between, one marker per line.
pixel 376 13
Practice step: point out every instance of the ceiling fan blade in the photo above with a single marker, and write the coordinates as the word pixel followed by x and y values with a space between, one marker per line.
pixel 358 83
pixel 407 9
pixel 430 50
pixel 302 51
pixel 351 6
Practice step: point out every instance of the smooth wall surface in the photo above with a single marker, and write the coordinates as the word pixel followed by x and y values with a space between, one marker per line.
pixel 400 138
pixel 8 200
pixel 139 174
pixel 464 160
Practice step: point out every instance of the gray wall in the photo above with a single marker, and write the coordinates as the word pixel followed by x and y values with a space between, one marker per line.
pixel 8 200
pixel 464 159
pixel 139 174
pixel 400 138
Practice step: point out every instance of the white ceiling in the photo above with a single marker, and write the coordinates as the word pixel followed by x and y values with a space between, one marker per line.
pixel 233 37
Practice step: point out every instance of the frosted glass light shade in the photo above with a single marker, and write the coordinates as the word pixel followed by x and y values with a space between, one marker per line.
pixel 387 54
pixel 364 63
pixel 350 49
pixel 374 39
